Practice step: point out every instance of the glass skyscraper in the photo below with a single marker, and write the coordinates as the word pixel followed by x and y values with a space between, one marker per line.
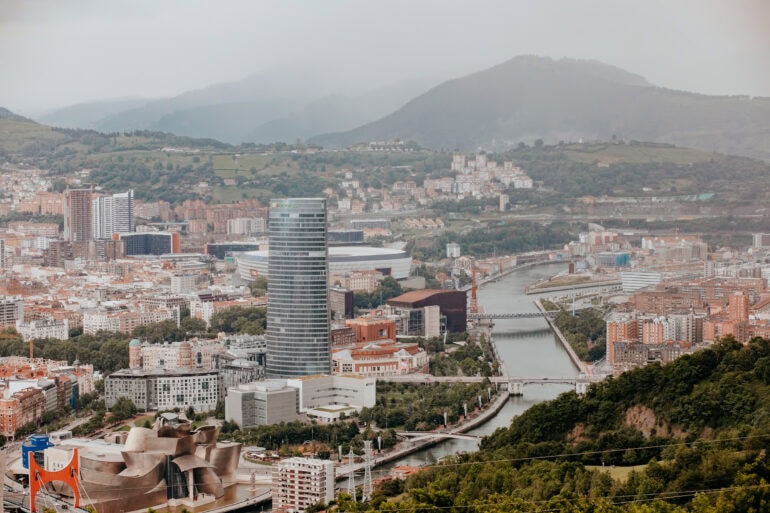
pixel 298 296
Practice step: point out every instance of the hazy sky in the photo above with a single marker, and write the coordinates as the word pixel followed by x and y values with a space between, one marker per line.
pixel 59 52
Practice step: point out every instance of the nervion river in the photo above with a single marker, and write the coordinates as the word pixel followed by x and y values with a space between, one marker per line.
pixel 533 353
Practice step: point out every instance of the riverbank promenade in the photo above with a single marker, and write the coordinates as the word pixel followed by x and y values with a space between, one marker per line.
pixel 408 447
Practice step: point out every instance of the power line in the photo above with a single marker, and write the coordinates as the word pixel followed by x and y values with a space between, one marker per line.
pixel 603 451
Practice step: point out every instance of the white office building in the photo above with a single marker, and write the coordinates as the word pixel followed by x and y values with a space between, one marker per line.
pixel 452 250
pixel 324 390
pixel 43 328
pixel 183 283
pixel 635 280
pixel 113 214
pixel 325 397
pixel 261 403
pixel 246 226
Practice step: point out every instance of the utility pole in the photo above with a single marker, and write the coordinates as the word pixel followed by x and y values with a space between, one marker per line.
pixel 2 476
pixel 352 475
pixel 368 488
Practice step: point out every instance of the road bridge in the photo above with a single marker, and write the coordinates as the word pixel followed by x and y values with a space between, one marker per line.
pixel 512 315
pixel 520 334
pixel 513 384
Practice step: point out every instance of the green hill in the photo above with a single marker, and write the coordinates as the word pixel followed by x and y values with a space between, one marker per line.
pixel 529 98
pixel 689 436
pixel 162 166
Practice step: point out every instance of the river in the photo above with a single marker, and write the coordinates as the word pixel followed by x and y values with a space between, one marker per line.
pixel 532 355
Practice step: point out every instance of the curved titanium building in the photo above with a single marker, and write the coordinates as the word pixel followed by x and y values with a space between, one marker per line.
pixel 149 467
pixel 298 306
pixel 342 259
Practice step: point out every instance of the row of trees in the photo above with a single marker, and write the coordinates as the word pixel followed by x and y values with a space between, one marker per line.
pixel 469 359
pixel 585 331
pixel 422 407
pixel 387 289
pixel 511 237
pixel 345 434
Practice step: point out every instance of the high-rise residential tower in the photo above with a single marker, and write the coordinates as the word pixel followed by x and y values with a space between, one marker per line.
pixel 113 214
pixel 297 335
pixel 78 215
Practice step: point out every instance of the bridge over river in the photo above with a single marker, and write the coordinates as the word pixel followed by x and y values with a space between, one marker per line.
pixel 514 384
pixel 417 436
pixel 512 315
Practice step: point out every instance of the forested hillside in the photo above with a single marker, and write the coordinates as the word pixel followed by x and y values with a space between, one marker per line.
pixel 690 436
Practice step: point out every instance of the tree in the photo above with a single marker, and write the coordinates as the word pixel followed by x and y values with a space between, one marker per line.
pixel 124 408
pixel 258 287
pixel 240 320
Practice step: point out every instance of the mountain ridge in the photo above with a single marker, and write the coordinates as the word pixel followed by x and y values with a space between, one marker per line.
pixel 282 105
pixel 528 98
pixel 8 114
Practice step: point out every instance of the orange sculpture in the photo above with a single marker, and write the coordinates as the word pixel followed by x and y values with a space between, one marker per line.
pixel 39 477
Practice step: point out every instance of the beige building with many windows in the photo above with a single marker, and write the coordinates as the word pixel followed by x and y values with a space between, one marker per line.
pixel 11 310
pixel 299 483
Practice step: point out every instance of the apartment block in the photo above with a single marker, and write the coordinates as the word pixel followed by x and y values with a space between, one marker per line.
pixel 162 389
pixel 78 215
pixel 11 310
pixel 43 328
pixel 299 483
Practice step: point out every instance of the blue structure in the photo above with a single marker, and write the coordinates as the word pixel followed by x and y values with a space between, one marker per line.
pixel 613 259
pixel 34 443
